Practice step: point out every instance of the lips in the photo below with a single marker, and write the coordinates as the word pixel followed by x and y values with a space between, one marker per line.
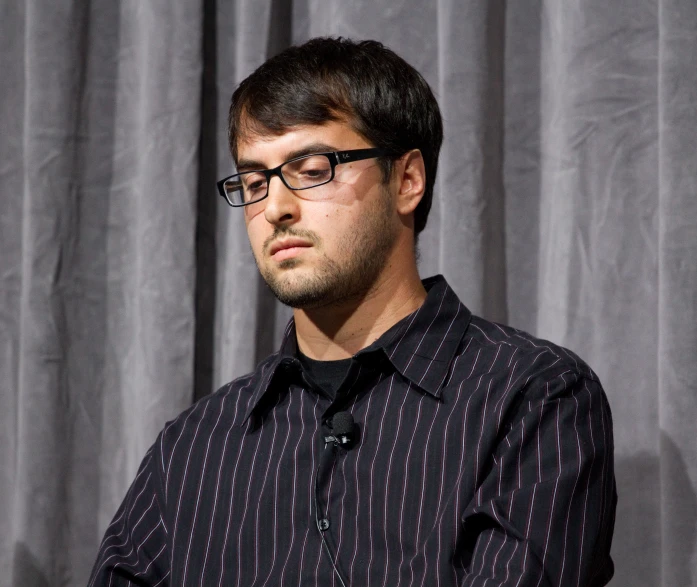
pixel 285 248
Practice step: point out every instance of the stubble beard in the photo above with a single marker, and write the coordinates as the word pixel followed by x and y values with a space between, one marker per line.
pixel 333 282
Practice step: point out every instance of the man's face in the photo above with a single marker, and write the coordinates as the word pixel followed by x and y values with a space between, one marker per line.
pixel 325 247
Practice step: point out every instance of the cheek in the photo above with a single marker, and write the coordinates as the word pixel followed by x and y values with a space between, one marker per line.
pixel 257 232
pixel 338 218
pixel 339 227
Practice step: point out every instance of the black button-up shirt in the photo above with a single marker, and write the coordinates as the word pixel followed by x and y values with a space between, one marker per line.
pixel 484 456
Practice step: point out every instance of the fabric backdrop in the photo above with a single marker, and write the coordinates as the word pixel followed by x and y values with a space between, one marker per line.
pixel 566 205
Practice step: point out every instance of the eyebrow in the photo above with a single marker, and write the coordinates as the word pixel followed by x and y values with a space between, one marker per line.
pixel 252 165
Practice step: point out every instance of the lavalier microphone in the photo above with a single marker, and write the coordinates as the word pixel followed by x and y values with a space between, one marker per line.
pixel 343 430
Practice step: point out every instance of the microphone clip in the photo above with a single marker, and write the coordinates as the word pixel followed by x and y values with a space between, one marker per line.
pixel 338 440
pixel 343 430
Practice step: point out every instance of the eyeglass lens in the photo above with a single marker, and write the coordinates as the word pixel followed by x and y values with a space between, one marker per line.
pixel 307 172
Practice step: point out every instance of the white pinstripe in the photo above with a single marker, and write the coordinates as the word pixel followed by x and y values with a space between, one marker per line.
pixel 404 488
pixel 232 498
pixel 217 481
pixel 343 495
pixel 311 489
pixel 508 562
pixel 145 571
pixel 135 551
pixel 423 336
pixel 479 445
pixel 445 336
pixel 358 492
pixel 275 501
pixel 439 516
pixel 343 498
pixel 387 488
pixel 372 473
pixel 295 483
pixel 590 471
pixel 401 338
pixel 461 470
pixel 125 524
pixel 302 557
pixel 174 447
pixel 261 493
pixel 573 492
pixel 186 471
pixel 423 491
pixel 200 487
pixel 554 494
pixel 246 506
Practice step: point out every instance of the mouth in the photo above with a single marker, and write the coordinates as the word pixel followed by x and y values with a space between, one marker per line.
pixel 288 248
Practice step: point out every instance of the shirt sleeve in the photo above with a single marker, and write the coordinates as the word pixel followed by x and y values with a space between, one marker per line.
pixel 544 513
pixel 134 549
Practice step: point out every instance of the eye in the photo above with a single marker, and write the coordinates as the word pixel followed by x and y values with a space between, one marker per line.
pixel 253 184
pixel 308 171
pixel 315 173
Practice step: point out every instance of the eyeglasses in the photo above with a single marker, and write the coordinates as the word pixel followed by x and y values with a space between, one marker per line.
pixel 300 173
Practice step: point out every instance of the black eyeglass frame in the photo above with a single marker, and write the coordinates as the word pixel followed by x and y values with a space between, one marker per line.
pixel 334 157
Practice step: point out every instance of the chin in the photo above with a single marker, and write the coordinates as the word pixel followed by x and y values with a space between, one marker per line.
pixel 302 291
pixel 288 263
pixel 299 298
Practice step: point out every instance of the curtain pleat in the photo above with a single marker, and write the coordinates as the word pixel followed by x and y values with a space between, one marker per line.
pixel 677 290
pixel 98 214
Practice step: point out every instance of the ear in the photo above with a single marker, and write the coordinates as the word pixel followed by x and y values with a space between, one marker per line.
pixel 410 175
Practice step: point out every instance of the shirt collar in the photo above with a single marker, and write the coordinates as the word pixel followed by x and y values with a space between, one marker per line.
pixel 421 346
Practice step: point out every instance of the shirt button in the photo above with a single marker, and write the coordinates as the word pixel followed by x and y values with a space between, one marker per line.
pixel 323 524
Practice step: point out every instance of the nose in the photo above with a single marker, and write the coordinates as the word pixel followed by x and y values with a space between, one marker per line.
pixel 282 206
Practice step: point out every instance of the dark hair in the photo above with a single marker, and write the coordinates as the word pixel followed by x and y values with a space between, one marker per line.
pixel 379 94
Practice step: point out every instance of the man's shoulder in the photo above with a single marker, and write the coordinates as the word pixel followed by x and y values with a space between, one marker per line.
pixel 526 351
pixel 516 372
pixel 220 410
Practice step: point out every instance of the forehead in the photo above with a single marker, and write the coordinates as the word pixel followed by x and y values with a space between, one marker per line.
pixel 331 135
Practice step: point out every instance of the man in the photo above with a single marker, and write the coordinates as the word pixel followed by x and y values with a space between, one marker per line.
pixel 394 439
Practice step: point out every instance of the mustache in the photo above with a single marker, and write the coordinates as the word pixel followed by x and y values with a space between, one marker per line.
pixel 281 231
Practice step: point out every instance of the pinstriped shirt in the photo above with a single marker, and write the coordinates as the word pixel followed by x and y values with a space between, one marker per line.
pixel 484 457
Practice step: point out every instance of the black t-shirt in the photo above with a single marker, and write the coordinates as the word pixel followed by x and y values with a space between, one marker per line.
pixel 328 375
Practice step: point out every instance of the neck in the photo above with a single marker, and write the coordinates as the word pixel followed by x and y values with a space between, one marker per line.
pixel 339 332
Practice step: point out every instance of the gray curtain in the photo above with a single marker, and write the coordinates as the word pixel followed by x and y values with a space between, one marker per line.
pixel 566 205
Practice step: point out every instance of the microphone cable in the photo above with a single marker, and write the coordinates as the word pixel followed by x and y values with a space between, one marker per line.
pixel 343 428
pixel 337 572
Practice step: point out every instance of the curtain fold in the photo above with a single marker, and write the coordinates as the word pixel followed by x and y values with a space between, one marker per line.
pixel 98 199
pixel 597 286
pixel 566 205
pixel 677 290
